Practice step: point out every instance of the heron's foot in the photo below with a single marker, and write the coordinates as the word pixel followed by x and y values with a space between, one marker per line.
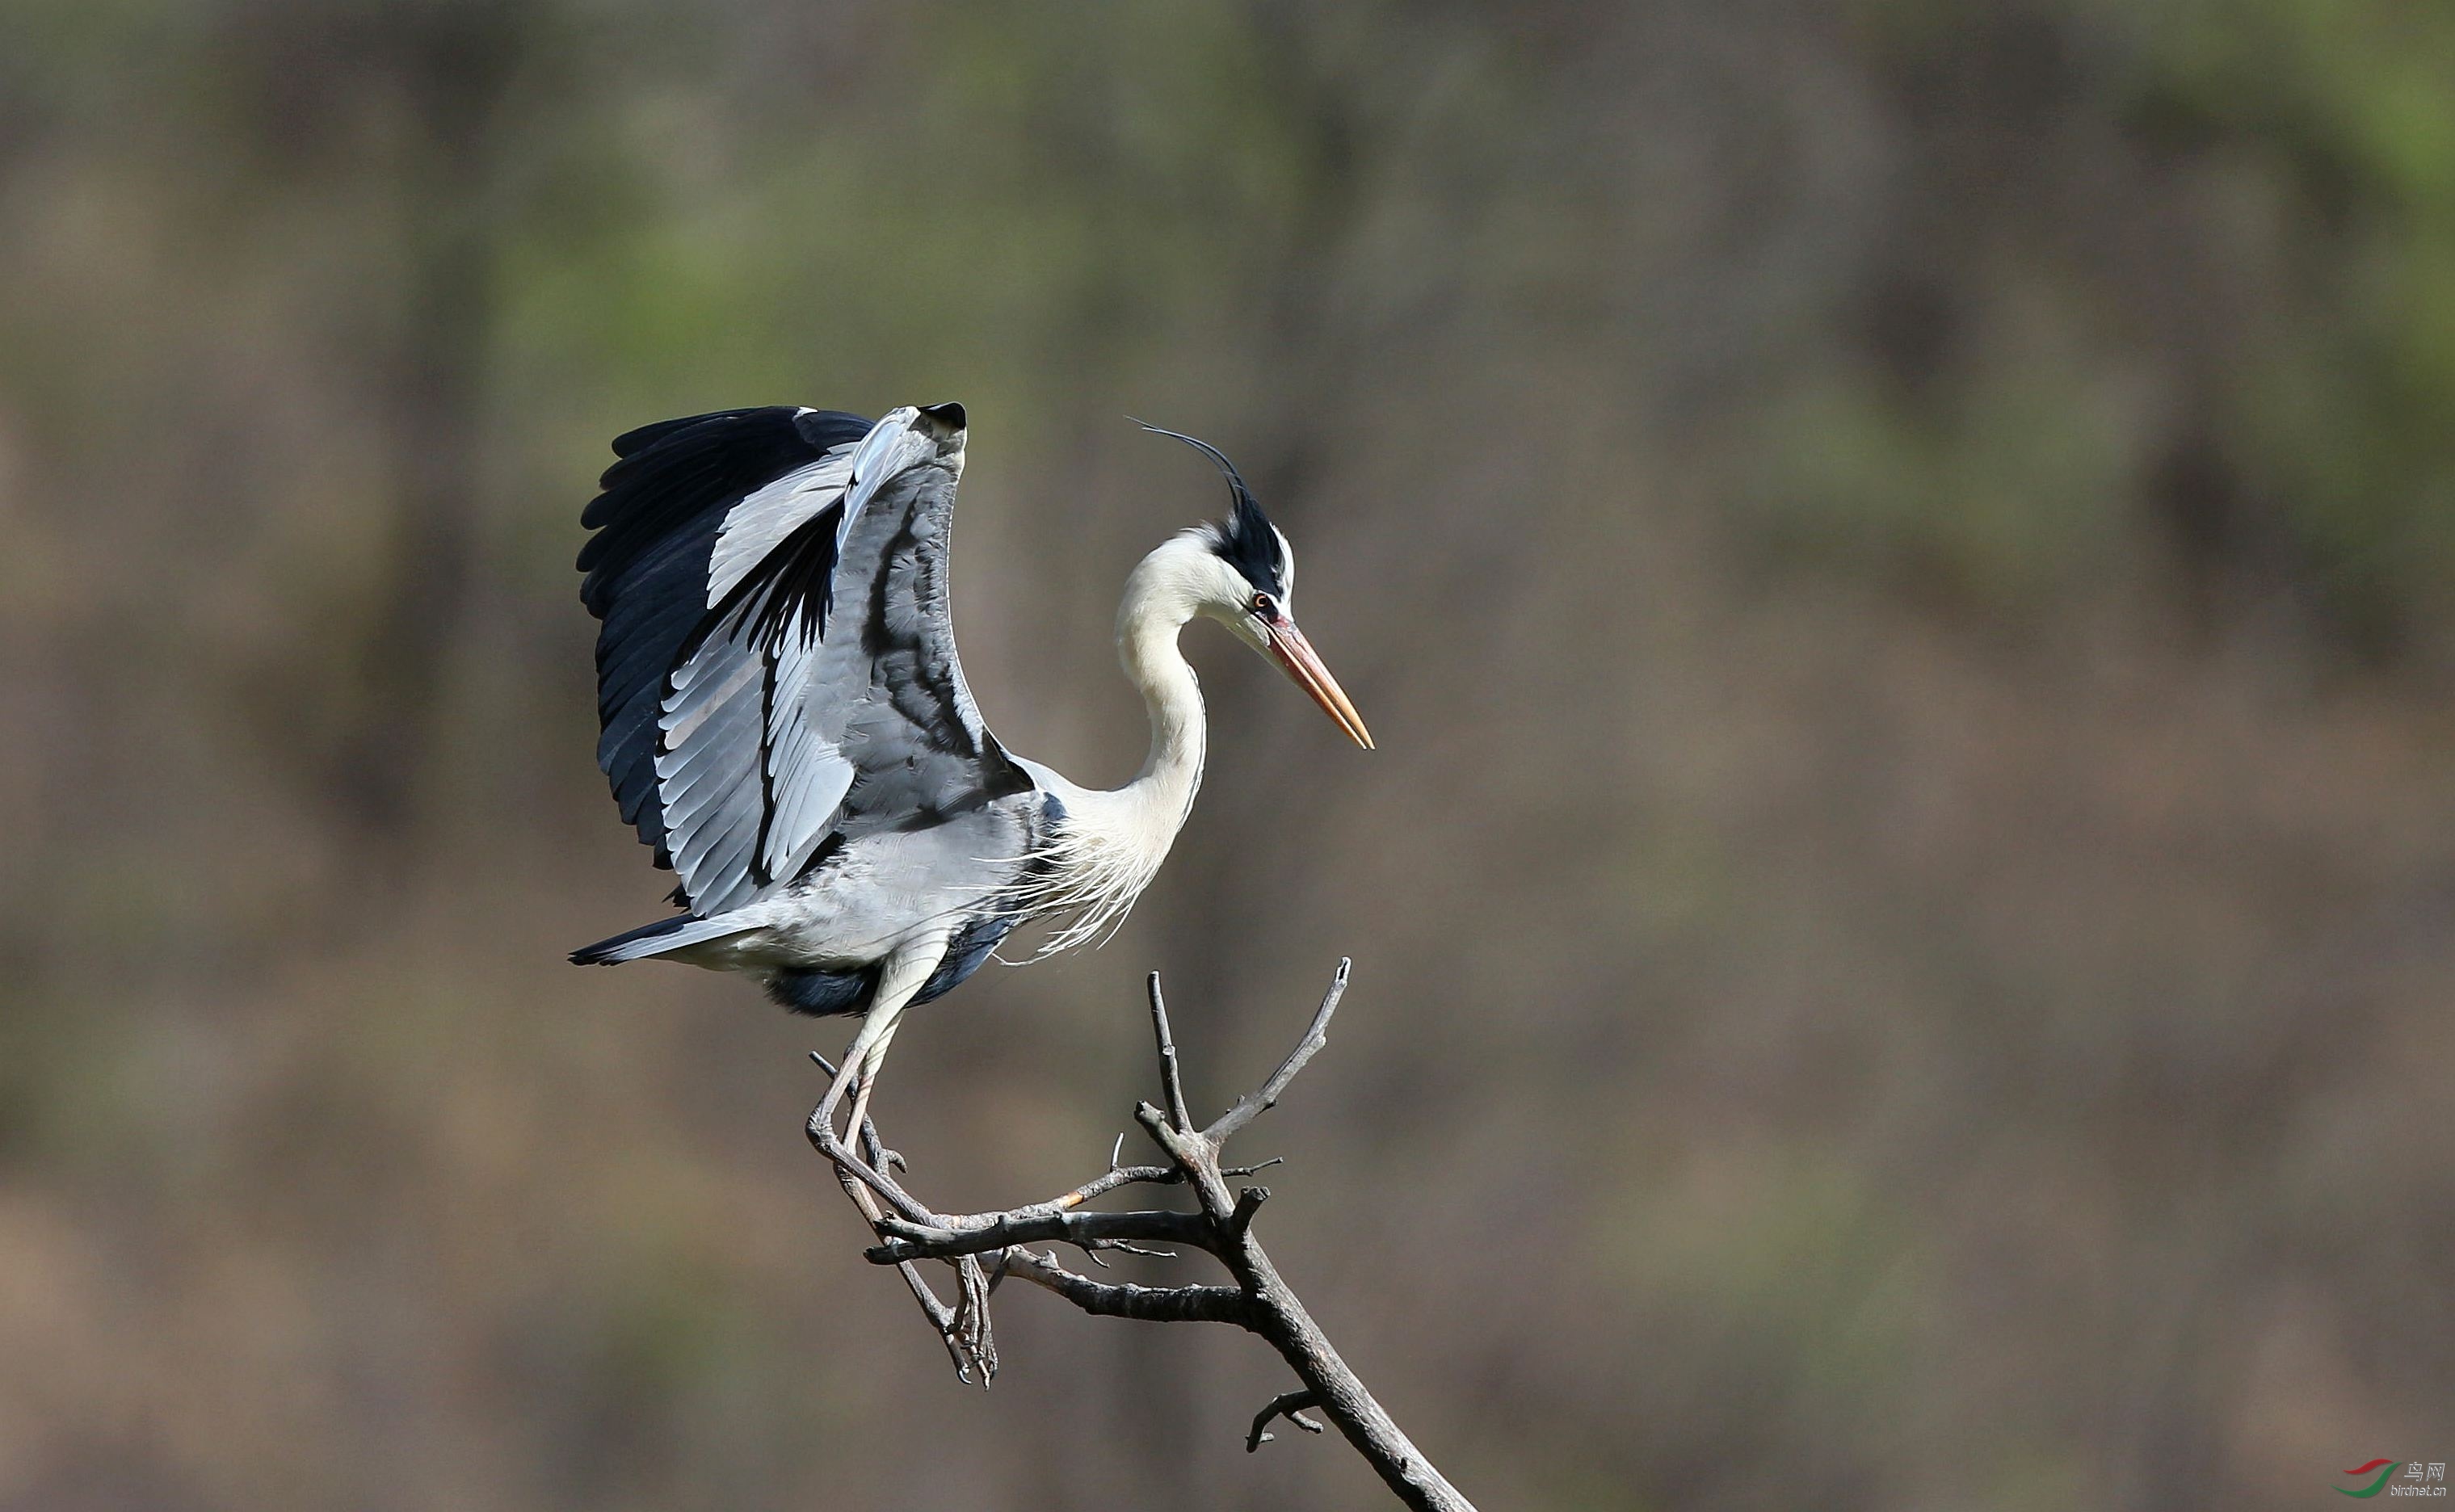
pixel 968 1336
pixel 881 1159
pixel 852 1168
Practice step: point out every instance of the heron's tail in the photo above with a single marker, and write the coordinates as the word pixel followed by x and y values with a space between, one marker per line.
pixel 652 940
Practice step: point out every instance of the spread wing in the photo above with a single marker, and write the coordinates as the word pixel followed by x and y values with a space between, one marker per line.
pixel 777 664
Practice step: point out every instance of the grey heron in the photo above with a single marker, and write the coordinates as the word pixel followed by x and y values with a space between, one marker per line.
pixel 786 723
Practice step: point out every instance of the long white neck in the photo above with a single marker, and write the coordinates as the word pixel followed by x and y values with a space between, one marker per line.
pixel 1111 843
pixel 1154 610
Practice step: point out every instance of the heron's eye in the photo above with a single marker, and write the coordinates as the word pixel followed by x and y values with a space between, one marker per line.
pixel 1264 604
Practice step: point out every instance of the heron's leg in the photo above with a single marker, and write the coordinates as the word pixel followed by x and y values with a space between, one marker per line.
pixel 966 1328
pixel 900 980
pixel 867 1078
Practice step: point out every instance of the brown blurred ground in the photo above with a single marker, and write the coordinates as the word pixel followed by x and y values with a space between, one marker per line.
pixel 1899 555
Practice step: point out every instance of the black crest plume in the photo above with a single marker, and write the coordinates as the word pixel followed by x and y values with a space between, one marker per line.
pixel 1246 539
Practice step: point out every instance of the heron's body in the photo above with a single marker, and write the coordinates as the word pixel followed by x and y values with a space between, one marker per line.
pixel 786 721
pixel 817 940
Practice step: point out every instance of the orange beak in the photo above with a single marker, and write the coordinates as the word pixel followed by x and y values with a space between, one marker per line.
pixel 1303 664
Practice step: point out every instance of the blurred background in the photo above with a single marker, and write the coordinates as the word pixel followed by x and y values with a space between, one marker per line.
pixel 1902 556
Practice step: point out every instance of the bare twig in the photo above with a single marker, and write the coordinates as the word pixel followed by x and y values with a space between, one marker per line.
pixel 1100 1185
pixel 1155 1305
pixel 1317 1034
pixel 987 1247
pixel 1170 1084
pixel 1289 1404
pixel 907 1241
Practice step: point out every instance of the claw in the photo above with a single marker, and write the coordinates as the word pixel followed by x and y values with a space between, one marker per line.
pixel 969 1336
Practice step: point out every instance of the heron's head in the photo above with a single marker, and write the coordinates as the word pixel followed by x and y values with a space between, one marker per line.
pixel 1242 573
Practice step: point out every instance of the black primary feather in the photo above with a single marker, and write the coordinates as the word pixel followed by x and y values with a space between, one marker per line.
pixel 655 525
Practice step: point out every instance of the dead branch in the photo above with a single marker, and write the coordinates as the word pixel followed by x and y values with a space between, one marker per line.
pixel 988 1247
pixel 1289 1404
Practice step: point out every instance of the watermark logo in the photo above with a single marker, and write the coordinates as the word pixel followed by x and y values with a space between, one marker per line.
pixel 2396 1478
